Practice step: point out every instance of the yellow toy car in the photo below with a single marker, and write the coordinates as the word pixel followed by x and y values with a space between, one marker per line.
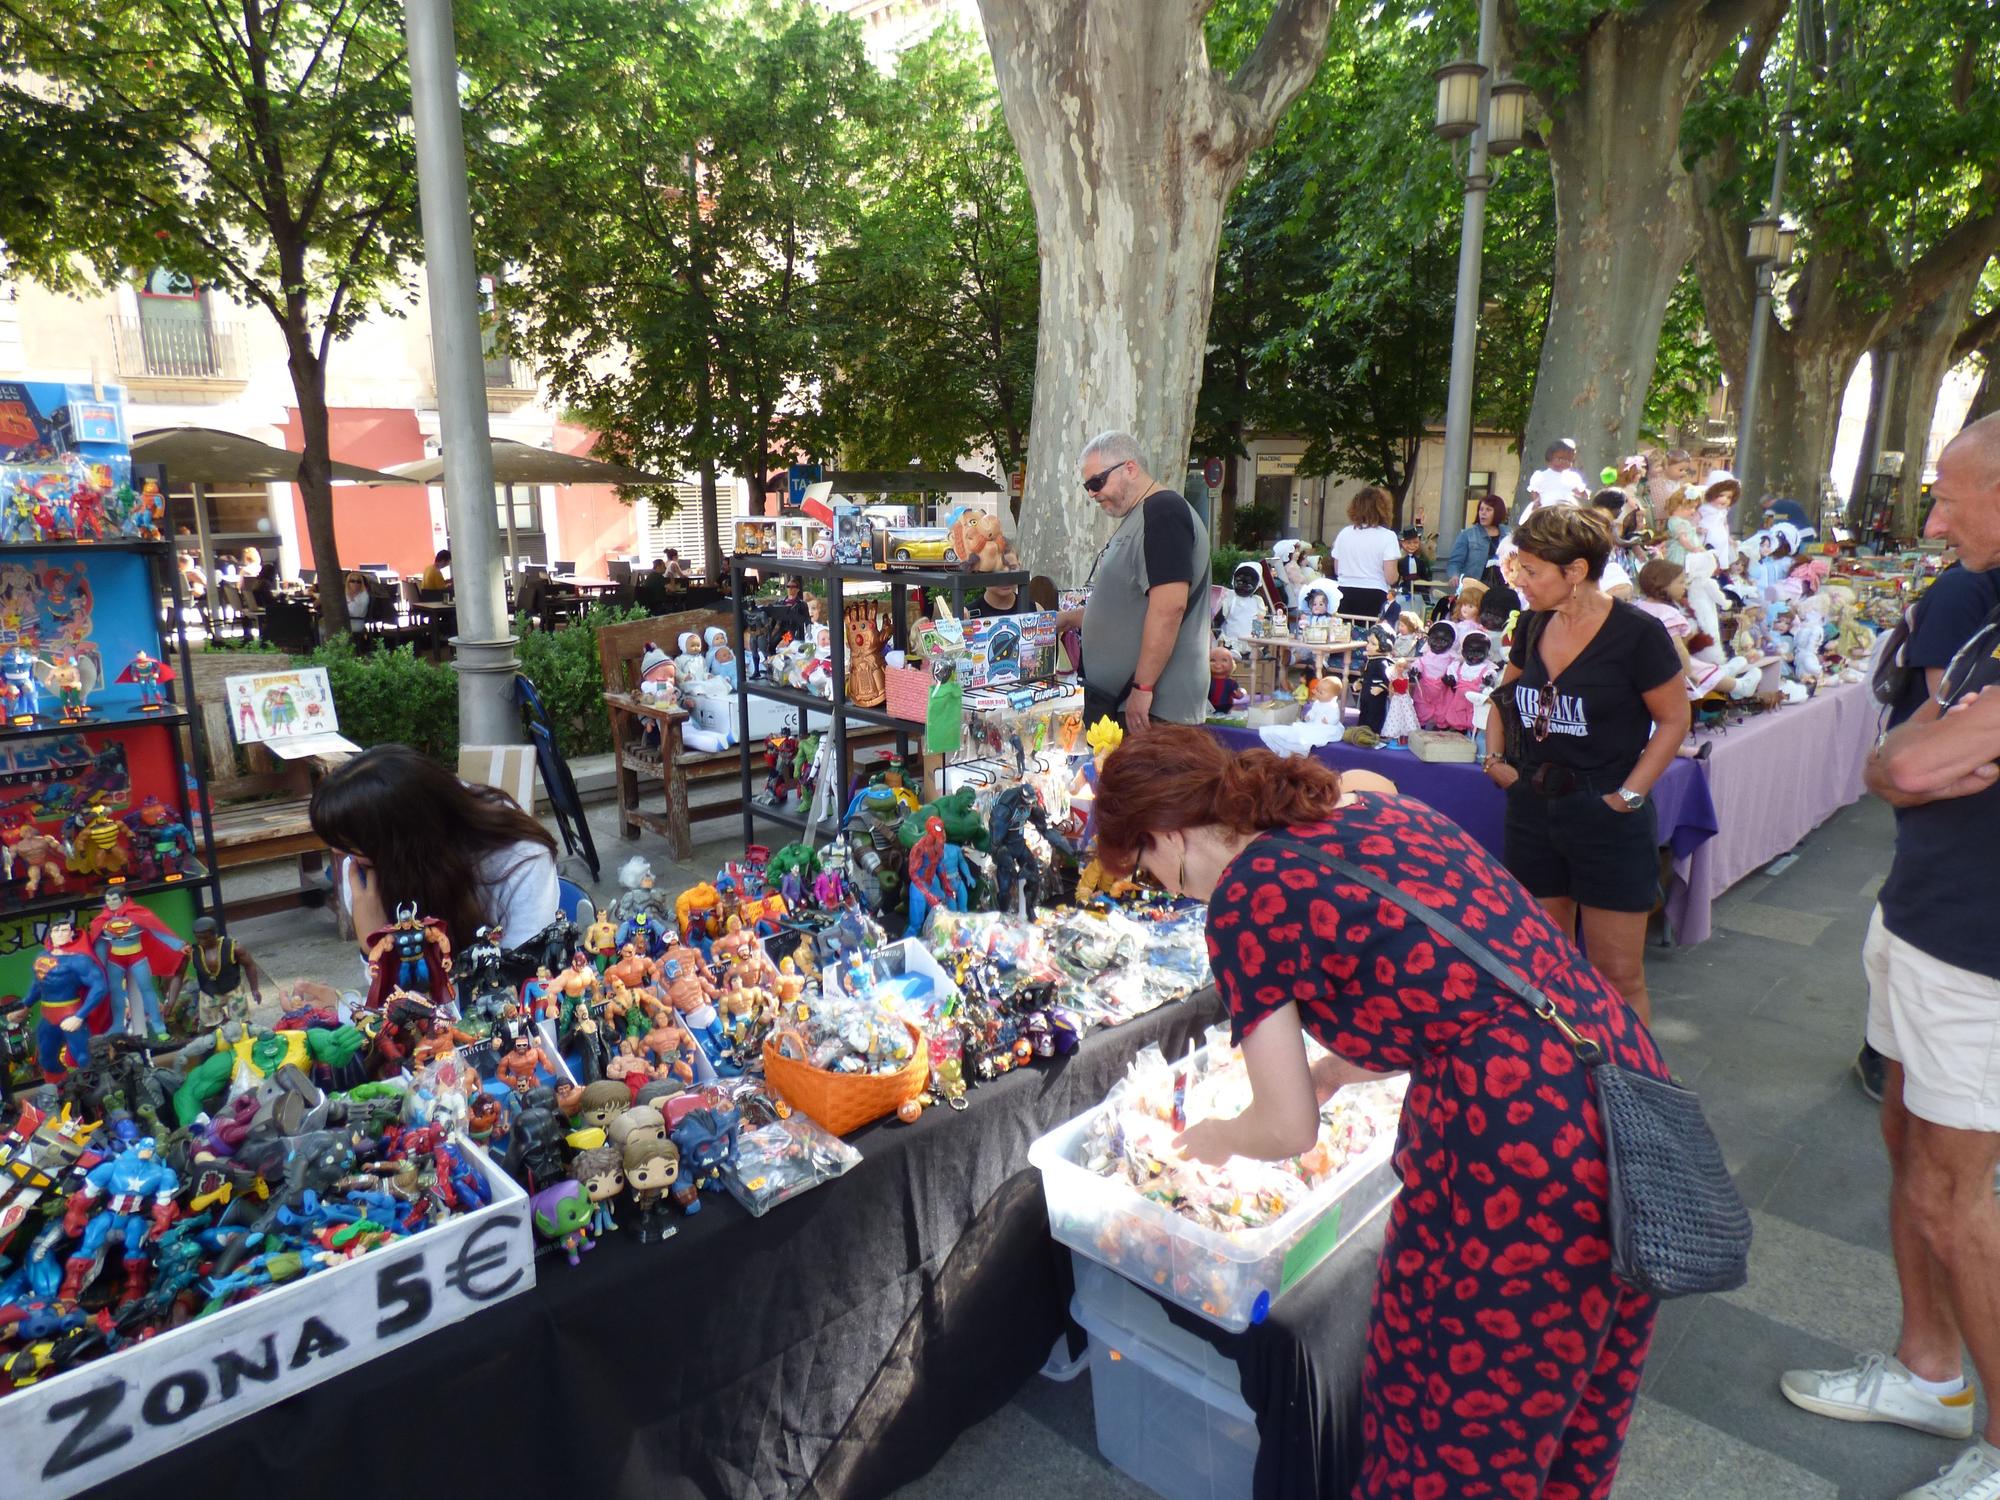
pixel 914 544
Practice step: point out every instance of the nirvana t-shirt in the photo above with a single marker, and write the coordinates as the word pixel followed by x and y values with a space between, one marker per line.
pixel 1940 892
pixel 1597 718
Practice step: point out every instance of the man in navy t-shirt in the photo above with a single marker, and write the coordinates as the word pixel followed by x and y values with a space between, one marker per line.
pixel 1933 966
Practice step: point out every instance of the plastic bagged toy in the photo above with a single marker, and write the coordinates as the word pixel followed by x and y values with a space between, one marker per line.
pixel 777 1162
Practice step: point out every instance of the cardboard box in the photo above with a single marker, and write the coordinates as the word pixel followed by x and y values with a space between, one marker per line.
pixel 756 538
pixel 1004 649
pixel 1279 711
pixel 803 541
pixel 1442 746
pixel 851 535
pixel 98 1420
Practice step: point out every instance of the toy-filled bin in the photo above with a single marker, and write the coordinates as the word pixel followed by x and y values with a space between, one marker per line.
pixel 1230 1279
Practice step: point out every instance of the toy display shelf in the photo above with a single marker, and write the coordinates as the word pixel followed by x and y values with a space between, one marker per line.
pixel 95 724
pixel 91 897
pixel 31 549
pixel 836 710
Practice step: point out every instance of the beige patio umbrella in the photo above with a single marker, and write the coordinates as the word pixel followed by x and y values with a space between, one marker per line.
pixel 523 463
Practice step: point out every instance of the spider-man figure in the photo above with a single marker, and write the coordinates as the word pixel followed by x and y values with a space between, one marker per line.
pixel 931 882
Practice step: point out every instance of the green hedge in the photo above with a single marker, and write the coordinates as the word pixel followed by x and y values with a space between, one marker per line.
pixel 395 695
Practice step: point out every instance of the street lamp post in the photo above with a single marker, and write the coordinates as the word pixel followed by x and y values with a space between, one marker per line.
pixel 485 644
pixel 1493 115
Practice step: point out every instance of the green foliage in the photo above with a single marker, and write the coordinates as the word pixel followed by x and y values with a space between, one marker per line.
pixel 1251 525
pixel 564 667
pixel 675 173
pixel 1222 562
pixel 1688 369
pixel 930 305
pixel 392 696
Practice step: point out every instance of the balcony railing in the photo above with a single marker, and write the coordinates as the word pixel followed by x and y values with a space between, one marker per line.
pixel 177 348
pixel 506 374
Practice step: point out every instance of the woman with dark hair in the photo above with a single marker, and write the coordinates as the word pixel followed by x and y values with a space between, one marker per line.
pixel 1502 1355
pixel 409 832
pixel 1366 553
pixel 1477 547
pixel 1597 686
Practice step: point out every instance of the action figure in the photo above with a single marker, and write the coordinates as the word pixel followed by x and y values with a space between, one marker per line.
pixel 929 884
pixel 134 946
pixel 149 674
pixel 101 845
pixel 651 1167
pixel 163 844
pixel 67 679
pixel 707 1142
pixel 600 940
pixel 74 1001
pixel 693 994
pixel 123 1183
pixel 479 976
pixel 227 980
pixel 37 854
pixel 578 1033
pixel 639 893
pixel 1016 869
pixel 148 509
pixel 644 933
pixel 412 953
pixel 19 689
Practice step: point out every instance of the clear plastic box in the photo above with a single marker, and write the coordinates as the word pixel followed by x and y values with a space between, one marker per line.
pixel 1180 1430
pixel 1231 1280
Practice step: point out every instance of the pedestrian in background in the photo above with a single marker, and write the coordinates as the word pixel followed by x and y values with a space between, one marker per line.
pixel 1367 553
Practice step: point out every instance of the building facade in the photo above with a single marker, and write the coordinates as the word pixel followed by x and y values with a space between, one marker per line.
pixel 186 356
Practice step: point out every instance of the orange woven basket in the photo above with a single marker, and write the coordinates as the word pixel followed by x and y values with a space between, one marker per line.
pixel 909 692
pixel 842 1102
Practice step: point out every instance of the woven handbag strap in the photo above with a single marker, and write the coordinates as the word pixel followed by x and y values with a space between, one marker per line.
pixel 1536 998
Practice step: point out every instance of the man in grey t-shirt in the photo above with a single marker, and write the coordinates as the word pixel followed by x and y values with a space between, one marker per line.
pixel 1145 626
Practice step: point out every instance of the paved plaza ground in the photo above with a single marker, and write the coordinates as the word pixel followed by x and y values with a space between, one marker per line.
pixel 1764 1020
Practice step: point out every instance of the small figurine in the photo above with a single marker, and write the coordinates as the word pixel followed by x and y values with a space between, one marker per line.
pixel 142 522
pixel 101 845
pixel 601 1172
pixel 562 1214
pixel 643 932
pixel 867 637
pixel 1400 720
pixel 72 1001
pixel 67 679
pixel 600 941
pixel 35 853
pixel 780 757
pixel 134 946
pixel 1017 871
pixel 721 660
pixel 20 691
pixel 639 892
pixel 693 994
pixel 412 953
pixel 652 1166
pixel 122 1184
pixel 149 673
pixel 929 885
pixel 707 1142
pixel 227 980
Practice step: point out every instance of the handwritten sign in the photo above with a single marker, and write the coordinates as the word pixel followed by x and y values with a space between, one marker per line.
pixel 101 1419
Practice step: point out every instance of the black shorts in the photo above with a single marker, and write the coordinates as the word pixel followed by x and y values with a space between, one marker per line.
pixel 1369 602
pixel 1577 846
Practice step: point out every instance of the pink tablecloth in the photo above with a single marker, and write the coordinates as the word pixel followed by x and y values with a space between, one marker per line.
pixel 1773 781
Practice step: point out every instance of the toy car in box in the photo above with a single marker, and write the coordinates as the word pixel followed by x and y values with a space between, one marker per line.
pixel 914 546
pixel 756 538
pixel 1002 649
pixel 803 541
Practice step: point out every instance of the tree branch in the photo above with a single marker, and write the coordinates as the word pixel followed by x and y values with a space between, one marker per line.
pixel 1287 57
pixel 1976 335
pixel 1971 243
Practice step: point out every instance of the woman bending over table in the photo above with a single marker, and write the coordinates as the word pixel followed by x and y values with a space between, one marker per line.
pixel 1598 687
pixel 1503 1359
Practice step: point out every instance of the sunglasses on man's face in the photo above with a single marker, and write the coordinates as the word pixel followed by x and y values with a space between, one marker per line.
pixel 1096 481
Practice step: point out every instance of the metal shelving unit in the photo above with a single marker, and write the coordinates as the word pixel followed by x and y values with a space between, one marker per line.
pixel 837 710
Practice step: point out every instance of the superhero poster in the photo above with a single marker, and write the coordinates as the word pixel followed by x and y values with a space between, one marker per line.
pixel 92 608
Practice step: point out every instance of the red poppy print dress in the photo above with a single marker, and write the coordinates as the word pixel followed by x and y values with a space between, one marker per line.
pixel 1503 1358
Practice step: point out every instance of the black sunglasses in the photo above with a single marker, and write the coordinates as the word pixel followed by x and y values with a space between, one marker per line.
pixel 1096 481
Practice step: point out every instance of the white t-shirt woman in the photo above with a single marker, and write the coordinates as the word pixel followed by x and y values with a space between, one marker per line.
pixel 1364 557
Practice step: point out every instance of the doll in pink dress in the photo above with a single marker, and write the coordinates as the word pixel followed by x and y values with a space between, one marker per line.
pixel 1472 684
pixel 1436 664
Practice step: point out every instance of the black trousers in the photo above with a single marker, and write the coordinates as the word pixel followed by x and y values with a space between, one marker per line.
pixel 1369 602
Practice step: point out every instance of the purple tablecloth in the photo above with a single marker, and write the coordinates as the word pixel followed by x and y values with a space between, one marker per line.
pixel 1464 794
pixel 1772 780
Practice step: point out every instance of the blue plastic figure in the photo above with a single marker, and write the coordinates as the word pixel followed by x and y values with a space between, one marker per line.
pixel 646 933
pixel 18 687
pixel 123 1184
pixel 73 998
pixel 957 873
pixel 706 1140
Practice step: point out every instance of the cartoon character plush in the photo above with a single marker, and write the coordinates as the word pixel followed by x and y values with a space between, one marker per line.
pixel 979 541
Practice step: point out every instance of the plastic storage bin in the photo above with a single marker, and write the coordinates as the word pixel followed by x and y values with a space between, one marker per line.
pixel 1179 1429
pixel 1231 1280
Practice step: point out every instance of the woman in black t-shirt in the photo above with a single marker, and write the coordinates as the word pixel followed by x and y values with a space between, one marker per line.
pixel 1597 685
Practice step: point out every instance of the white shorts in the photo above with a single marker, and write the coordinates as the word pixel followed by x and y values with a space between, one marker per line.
pixel 1942 1023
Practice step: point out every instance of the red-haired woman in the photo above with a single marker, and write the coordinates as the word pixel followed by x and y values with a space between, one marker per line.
pixel 1503 1358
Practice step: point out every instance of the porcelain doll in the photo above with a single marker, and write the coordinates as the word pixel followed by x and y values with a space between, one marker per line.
pixel 1244 608
pixel 1435 677
pixel 1400 722
pixel 1324 706
pixel 1472 688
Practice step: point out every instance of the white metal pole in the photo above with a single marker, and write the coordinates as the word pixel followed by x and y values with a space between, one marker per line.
pixel 1465 318
pixel 484 644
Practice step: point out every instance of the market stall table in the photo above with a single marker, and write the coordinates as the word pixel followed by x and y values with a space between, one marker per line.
pixel 835 1346
pixel 1279 647
pixel 1773 780
pixel 1465 794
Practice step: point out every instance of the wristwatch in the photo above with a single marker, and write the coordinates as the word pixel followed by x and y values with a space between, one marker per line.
pixel 1633 800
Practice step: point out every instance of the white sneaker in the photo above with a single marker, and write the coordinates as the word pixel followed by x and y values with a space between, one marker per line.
pixel 1976 1476
pixel 1881 1389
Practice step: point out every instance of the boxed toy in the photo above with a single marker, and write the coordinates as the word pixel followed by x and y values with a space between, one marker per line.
pixel 803 541
pixel 756 538
pixel 1001 649
pixel 851 531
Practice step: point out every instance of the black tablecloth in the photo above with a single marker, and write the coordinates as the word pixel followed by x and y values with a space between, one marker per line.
pixel 834 1347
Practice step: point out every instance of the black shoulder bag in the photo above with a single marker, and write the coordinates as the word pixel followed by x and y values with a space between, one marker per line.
pixel 1676 1223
